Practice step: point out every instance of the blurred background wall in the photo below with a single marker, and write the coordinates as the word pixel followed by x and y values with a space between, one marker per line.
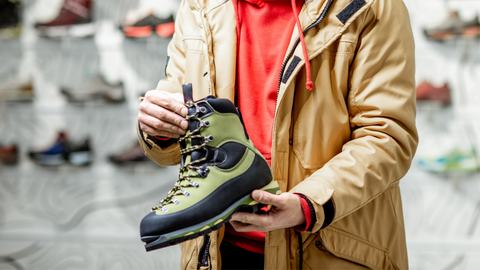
pixel 74 185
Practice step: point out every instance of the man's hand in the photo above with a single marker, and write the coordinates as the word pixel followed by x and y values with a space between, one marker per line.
pixel 286 212
pixel 163 114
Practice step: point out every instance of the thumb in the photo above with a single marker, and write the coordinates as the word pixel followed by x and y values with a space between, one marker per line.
pixel 265 197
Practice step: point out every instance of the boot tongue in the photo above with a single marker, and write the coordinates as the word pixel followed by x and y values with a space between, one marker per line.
pixel 187 92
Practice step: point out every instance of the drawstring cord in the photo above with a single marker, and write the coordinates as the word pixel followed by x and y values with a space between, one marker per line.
pixel 304 47
pixel 300 247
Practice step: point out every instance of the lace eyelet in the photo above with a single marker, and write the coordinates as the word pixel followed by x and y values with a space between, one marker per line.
pixel 208 138
pixel 207 123
pixel 203 109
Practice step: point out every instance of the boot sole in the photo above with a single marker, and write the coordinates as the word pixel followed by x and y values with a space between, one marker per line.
pixel 245 204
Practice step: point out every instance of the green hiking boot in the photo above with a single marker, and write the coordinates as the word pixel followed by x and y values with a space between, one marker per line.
pixel 220 167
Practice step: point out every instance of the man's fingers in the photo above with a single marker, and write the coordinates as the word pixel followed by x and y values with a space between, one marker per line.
pixel 266 197
pixel 242 227
pixel 154 132
pixel 157 127
pixel 246 220
pixel 163 114
pixel 171 102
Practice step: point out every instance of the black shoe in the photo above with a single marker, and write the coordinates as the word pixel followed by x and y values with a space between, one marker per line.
pixel 80 154
pixel 9 13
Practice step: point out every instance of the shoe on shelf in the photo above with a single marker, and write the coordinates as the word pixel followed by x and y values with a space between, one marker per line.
pixel 62 151
pixel 15 89
pixel 149 25
pixel 429 92
pixel 453 26
pixel 220 167
pixel 74 19
pixel 10 18
pixel 80 154
pixel 54 155
pixel 95 89
pixel 9 13
pixel 455 161
pixel 8 154
pixel 132 155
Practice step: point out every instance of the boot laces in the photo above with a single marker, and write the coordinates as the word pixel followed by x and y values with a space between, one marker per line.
pixel 185 178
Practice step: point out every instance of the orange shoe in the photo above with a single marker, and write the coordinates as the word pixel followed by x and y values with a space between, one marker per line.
pixel 426 91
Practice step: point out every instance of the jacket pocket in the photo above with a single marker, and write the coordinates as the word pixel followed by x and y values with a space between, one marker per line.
pixel 321 117
pixel 351 248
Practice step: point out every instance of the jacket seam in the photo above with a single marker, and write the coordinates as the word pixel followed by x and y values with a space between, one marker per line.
pixel 199 52
pixel 355 90
pixel 366 242
pixel 206 13
pixel 394 183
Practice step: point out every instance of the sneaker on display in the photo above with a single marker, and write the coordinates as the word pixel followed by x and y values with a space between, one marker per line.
pixel 455 161
pixel 62 151
pixel 453 26
pixel 8 154
pixel 131 155
pixel 15 89
pixel 149 25
pixel 429 92
pixel 80 154
pixel 54 155
pixel 95 89
pixel 220 167
pixel 74 19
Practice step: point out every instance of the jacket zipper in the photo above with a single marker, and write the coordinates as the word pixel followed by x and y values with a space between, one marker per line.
pixel 292 49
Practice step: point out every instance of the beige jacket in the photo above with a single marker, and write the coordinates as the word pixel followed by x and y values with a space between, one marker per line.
pixel 350 139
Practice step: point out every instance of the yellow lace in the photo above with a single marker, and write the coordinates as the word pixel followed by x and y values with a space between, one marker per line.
pixel 179 188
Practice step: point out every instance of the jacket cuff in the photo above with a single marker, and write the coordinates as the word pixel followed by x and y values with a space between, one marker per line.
pixel 309 213
pixel 321 199
pixel 162 142
pixel 167 156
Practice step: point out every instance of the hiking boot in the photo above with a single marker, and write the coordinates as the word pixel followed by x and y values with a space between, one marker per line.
pixel 220 167
pixel 148 25
pixel 453 26
pixel 74 19
pixel 132 155
pixel 8 155
pixel 95 89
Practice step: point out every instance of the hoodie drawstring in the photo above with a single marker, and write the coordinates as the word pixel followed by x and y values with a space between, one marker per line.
pixel 304 47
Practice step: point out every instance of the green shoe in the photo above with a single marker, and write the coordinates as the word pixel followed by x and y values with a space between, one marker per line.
pixel 220 168
pixel 456 161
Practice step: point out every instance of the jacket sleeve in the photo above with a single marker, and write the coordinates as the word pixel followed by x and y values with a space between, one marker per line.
pixel 381 104
pixel 175 70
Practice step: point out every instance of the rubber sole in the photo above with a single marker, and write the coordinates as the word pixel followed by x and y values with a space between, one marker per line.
pixel 245 204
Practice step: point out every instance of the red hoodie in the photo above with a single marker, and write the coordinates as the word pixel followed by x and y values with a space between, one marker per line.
pixel 264 29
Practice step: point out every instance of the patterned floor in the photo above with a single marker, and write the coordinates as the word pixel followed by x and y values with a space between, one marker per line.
pixel 87 218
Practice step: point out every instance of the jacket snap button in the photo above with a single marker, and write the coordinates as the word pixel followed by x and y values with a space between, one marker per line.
pixel 318 244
